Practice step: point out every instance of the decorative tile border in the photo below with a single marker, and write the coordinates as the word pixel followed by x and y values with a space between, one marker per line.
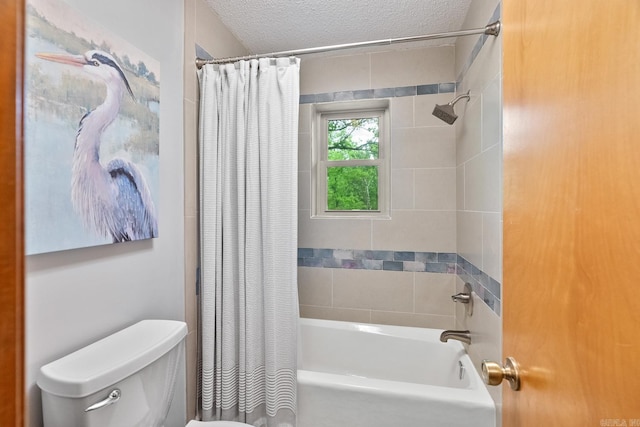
pixel 389 92
pixel 202 53
pixel 431 262
pixel 487 288
pixel 477 47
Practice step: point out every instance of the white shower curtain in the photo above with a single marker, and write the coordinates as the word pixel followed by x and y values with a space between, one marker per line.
pixel 248 219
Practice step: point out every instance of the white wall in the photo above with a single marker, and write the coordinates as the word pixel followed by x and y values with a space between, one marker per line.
pixel 76 297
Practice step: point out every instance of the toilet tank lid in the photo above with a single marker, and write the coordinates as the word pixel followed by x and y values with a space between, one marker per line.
pixel 111 359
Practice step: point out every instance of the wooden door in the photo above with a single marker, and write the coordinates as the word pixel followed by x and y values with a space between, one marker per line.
pixel 11 250
pixel 572 211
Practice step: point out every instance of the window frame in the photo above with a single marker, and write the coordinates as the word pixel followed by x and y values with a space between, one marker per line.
pixel 324 112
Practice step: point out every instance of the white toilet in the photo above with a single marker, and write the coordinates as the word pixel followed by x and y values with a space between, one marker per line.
pixel 123 380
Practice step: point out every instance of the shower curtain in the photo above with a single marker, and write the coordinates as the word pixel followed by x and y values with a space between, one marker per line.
pixel 248 219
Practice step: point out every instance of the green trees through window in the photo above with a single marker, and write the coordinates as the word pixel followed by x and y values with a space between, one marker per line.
pixel 351 183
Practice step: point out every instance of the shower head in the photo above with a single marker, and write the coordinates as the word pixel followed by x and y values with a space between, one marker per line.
pixel 445 112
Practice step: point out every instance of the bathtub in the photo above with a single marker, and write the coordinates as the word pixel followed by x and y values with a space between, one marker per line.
pixel 363 375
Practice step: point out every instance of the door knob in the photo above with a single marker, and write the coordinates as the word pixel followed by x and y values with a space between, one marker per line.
pixel 493 373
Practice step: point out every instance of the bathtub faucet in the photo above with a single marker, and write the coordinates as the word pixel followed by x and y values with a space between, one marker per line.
pixel 464 336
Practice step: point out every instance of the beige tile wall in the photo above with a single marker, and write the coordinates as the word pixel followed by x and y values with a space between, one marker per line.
pixel 386 297
pixel 203 27
pixel 479 182
pixel 423 173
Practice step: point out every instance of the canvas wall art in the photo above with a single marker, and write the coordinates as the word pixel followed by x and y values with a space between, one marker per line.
pixel 92 143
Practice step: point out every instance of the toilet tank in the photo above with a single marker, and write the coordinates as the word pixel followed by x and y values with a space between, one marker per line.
pixel 123 380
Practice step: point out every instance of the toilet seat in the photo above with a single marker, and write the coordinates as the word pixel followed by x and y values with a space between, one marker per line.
pixel 194 423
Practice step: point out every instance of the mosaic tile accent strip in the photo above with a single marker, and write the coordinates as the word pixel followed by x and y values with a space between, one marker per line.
pixel 477 47
pixel 431 262
pixel 389 92
pixel 485 286
pixel 202 53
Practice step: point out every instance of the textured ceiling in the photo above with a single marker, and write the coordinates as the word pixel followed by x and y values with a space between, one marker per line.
pixel 265 26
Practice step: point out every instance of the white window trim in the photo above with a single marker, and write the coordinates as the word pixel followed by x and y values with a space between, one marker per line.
pixel 350 109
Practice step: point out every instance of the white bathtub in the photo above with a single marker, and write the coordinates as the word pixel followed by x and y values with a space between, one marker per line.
pixel 362 375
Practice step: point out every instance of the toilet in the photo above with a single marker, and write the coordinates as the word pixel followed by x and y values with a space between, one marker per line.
pixel 124 380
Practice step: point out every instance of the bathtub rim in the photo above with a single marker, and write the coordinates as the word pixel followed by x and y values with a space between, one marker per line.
pixel 476 384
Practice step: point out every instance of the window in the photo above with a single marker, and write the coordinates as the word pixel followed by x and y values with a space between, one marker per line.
pixel 351 159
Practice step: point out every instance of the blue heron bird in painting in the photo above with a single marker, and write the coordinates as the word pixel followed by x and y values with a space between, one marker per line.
pixel 113 201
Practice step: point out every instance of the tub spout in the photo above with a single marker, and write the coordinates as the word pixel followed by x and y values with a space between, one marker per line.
pixel 464 336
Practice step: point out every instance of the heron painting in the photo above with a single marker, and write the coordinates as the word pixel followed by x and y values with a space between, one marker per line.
pixel 91 134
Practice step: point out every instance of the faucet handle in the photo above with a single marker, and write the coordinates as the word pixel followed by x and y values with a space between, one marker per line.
pixel 462 297
pixel 465 298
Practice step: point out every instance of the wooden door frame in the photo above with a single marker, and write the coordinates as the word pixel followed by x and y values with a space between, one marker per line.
pixel 11 216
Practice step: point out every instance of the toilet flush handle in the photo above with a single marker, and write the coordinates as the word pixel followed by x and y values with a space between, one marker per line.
pixel 113 397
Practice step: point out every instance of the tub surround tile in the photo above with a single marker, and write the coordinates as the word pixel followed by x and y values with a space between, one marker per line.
pixel 446 87
pixel 304 153
pixel 382 255
pixel 314 286
pixel 406 91
pixel 385 92
pixel 335 74
pixel 393 281
pixel 432 294
pixel 477 47
pixel 316 232
pixel 329 313
pixel 363 94
pixel 304 118
pixel 402 112
pixel 404 256
pixel 428 89
pixel 392 265
pixel 426 257
pixel 376 260
pixel 483 180
pixel 409 67
pixel 308 99
pixel 492 113
pixel 435 189
pixel 423 147
pixel 412 319
pixel 487 288
pixel 486 340
pixel 357 269
pixel 470 233
pixel 325 97
pixel 402 188
pixel 374 290
pixel 440 267
pixel 468 130
pixel 304 190
pixel 410 230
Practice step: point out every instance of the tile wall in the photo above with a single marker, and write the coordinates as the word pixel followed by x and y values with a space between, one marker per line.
pixel 479 186
pixel 423 211
pixel 446 191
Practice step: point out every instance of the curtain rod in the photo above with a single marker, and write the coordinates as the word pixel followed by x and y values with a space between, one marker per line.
pixel 492 29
